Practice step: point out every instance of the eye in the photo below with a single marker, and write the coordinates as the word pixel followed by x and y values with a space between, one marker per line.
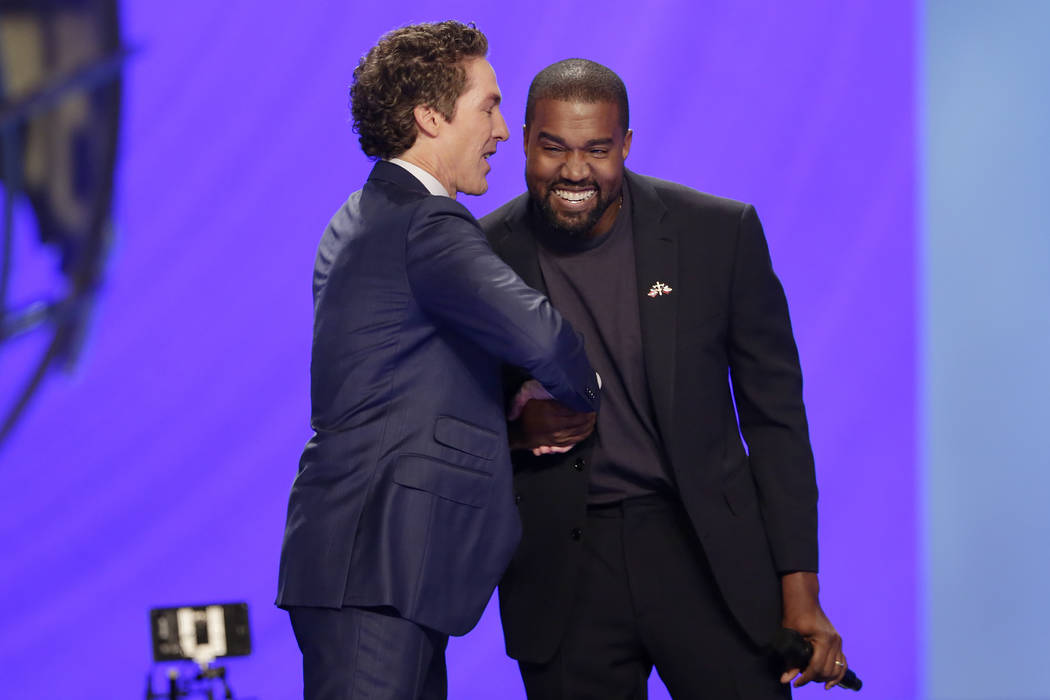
pixel 599 152
pixel 552 149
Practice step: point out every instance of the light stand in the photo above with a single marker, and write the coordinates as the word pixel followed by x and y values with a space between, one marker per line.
pixel 186 683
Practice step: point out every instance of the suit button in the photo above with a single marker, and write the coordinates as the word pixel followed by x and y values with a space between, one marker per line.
pixel 590 393
pixel 576 533
pixel 578 464
pixel 517 498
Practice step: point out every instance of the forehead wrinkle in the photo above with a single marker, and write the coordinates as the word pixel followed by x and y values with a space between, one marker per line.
pixel 551 137
pixel 577 112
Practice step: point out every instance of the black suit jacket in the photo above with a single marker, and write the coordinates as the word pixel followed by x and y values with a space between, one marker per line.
pixel 753 510
pixel 403 496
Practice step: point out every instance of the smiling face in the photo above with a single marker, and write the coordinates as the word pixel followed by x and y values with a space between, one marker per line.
pixel 476 127
pixel 574 154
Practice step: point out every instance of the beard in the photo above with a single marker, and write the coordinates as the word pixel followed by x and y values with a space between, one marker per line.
pixel 577 225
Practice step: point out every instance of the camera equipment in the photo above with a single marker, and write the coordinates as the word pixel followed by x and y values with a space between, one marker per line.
pixel 198 633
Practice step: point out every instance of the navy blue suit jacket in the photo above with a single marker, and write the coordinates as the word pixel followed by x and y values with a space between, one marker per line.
pixel 403 496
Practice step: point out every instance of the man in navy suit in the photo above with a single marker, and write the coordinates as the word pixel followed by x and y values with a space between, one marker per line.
pixel 659 539
pixel 401 519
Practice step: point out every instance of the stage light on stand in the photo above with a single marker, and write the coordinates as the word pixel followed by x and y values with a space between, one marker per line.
pixel 61 64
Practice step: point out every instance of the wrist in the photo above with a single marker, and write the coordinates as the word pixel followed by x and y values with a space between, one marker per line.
pixel 800 591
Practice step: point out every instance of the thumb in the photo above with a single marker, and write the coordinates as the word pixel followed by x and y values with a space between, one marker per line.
pixel 514 412
pixel 531 389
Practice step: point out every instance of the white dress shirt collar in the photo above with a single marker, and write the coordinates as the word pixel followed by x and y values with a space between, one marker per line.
pixel 428 180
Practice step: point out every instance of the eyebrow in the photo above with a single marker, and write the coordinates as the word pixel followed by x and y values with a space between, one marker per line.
pixel 495 98
pixel 590 144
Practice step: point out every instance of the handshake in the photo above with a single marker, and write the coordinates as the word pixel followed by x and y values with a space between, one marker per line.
pixel 540 423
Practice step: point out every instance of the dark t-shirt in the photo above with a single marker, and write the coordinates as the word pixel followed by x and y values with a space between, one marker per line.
pixel 593 284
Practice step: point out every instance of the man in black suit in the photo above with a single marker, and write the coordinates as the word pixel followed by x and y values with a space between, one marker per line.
pixel 659 539
pixel 401 518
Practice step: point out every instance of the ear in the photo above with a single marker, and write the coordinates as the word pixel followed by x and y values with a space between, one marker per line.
pixel 427 120
pixel 627 143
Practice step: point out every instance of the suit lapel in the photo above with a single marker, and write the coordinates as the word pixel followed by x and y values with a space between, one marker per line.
pixel 656 263
pixel 518 247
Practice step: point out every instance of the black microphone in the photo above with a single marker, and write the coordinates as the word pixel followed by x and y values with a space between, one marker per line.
pixel 797 651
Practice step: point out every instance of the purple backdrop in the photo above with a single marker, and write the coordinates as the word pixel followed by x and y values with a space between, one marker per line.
pixel 158 474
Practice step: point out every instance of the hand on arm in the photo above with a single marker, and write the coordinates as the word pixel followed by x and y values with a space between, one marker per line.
pixel 543 425
pixel 802 613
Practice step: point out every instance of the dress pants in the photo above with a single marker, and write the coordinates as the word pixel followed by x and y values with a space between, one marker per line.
pixel 358 653
pixel 646 596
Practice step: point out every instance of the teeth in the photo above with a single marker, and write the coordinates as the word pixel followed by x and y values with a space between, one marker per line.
pixel 575 196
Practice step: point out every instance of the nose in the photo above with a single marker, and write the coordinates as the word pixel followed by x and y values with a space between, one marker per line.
pixel 500 131
pixel 575 167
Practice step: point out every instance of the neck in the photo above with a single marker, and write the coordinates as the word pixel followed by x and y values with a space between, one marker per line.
pixel 608 218
pixel 421 157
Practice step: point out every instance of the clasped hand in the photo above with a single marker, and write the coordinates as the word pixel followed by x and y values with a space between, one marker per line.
pixel 544 425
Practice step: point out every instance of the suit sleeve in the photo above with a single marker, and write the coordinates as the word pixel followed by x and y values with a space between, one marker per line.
pixel 457 279
pixel 767 385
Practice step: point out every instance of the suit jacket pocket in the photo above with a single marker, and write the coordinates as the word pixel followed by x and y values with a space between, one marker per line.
pixel 444 480
pixel 467 437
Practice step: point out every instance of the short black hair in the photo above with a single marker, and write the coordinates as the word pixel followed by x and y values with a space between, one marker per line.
pixel 578 80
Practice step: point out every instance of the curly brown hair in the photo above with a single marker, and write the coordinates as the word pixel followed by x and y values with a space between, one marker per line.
pixel 421 64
